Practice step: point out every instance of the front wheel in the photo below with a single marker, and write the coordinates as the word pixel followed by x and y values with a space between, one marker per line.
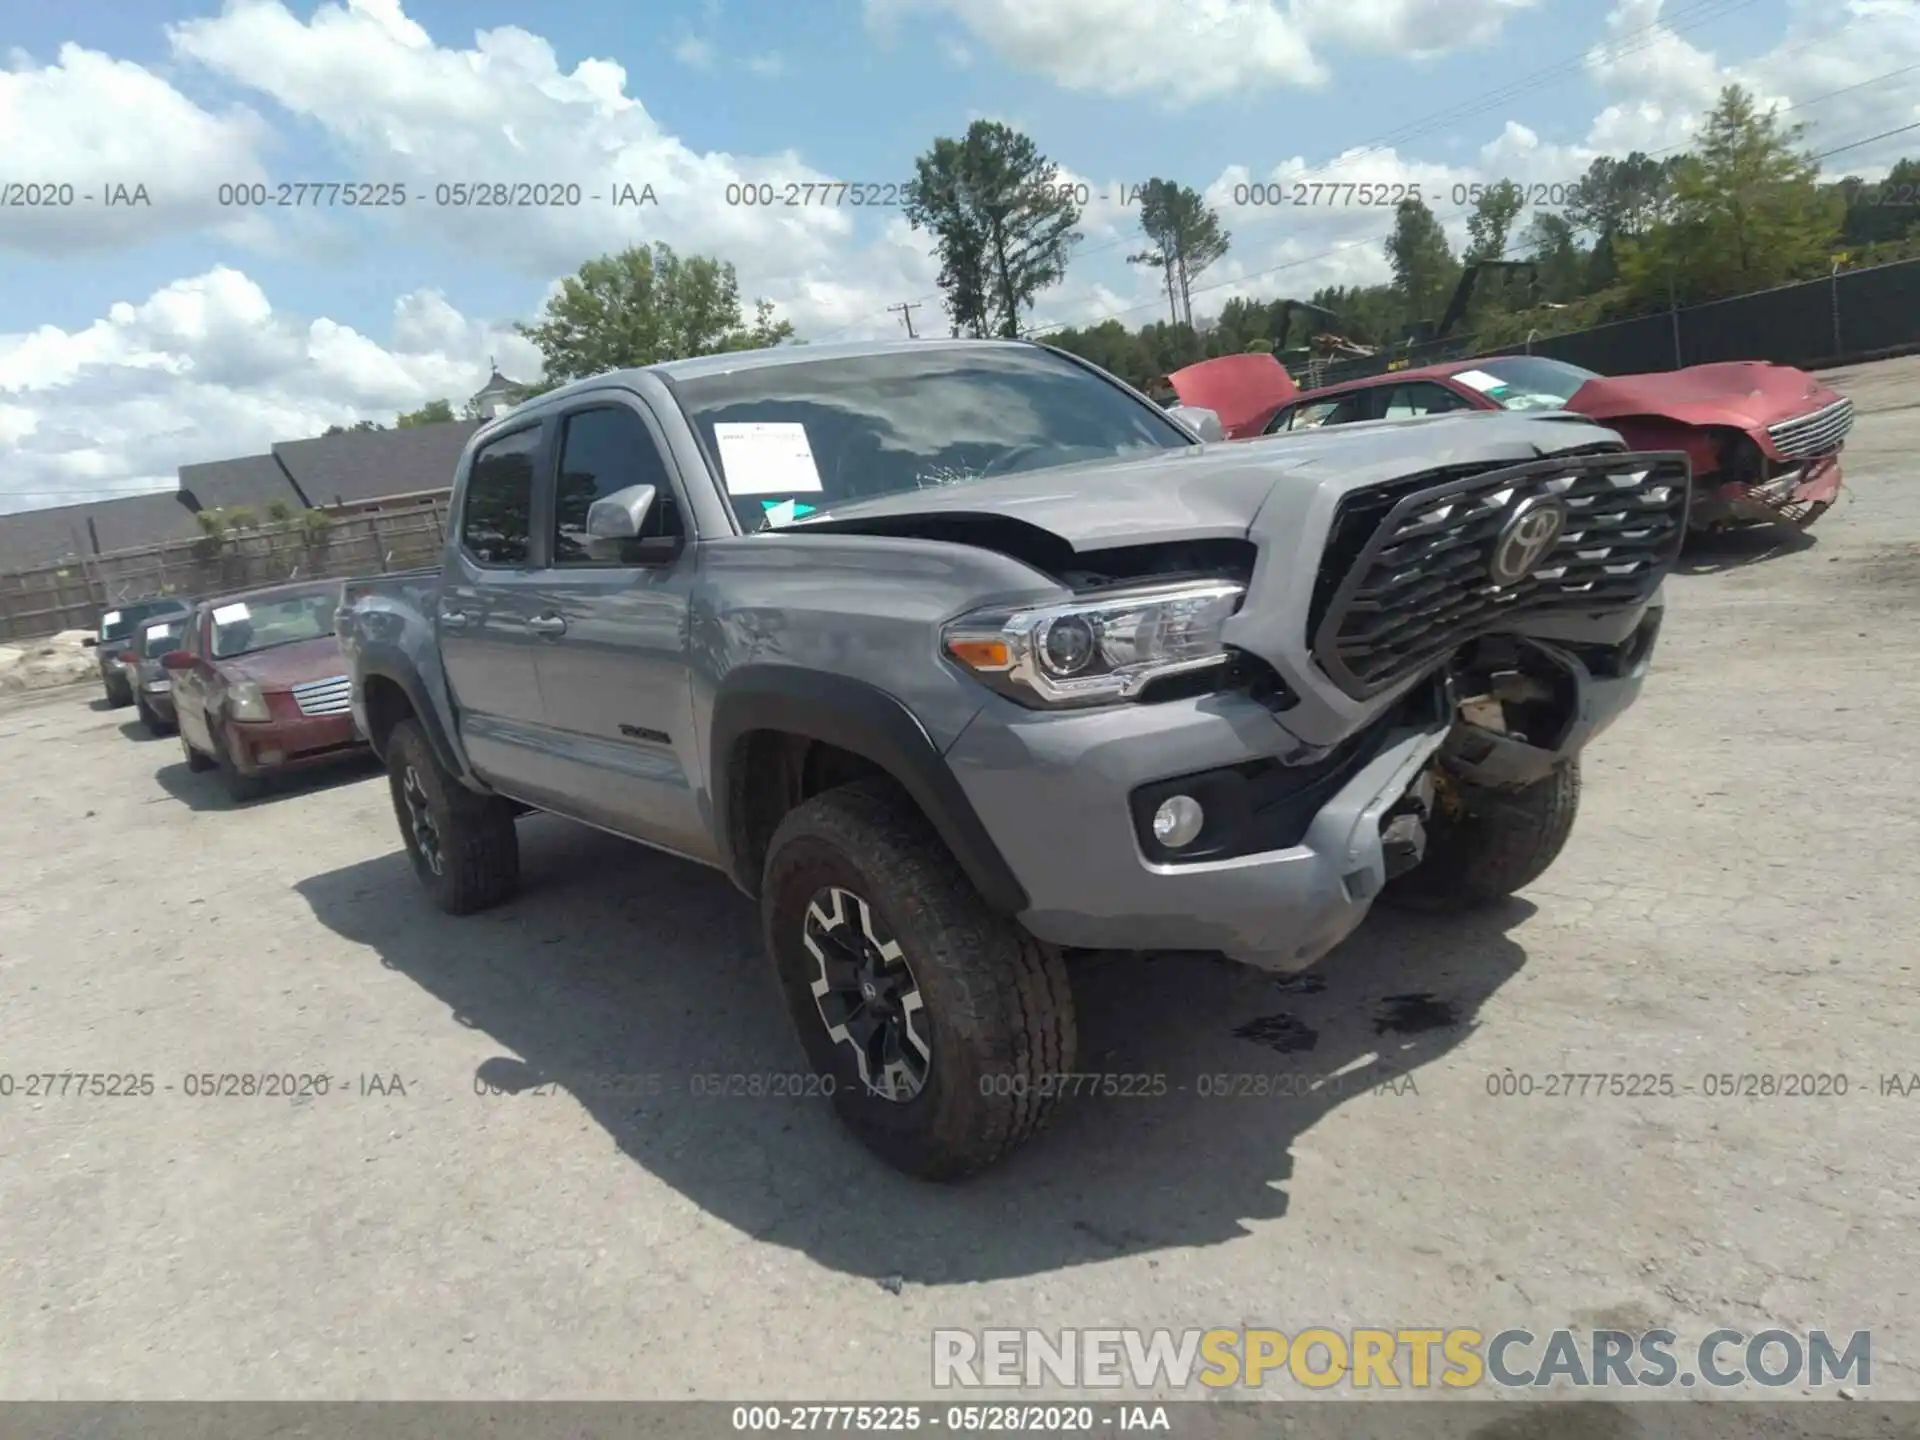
pixel 195 760
pixel 945 1029
pixel 463 845
pixel 1483 845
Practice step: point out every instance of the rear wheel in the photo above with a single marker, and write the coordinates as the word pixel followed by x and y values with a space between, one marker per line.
pixel 1483 845
pixel 463 846
pixel 944 1029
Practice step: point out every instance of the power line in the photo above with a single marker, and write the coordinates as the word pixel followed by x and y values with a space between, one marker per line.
pixel 905 311
pixel 1884 134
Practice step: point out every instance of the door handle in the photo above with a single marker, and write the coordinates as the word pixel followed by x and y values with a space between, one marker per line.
pixel 453 619
pixel 548 625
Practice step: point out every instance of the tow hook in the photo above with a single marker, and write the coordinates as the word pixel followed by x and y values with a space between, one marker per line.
pixel 1403 829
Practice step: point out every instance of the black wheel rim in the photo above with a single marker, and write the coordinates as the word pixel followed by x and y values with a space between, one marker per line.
pixel 426 834
pixel 866 994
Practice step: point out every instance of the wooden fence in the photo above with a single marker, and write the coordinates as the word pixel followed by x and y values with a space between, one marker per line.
pixel 71 594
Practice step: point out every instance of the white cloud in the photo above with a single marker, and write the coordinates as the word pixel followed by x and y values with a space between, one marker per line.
pixel 766 65
pixel 206 369
pixel 1184 51
pixel 90 125
pixel 399 106
pixel 694 52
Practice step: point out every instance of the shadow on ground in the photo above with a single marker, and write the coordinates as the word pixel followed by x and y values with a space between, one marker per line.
pixel 136 729
pixel 1735 549
pixel 618 961
pixel 204 790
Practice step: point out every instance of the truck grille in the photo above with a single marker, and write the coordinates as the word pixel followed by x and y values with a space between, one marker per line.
pixel 324 697
pixel 1815 433
pixel 1424 579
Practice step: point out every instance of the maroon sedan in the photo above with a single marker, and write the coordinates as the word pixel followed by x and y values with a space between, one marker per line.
pixel 1764 439
pixel 259 686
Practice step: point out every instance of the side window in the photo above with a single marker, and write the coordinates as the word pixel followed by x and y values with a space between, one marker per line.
pixel 496 521
pixel 1420 398
pixel 1338 410
pixel 603 451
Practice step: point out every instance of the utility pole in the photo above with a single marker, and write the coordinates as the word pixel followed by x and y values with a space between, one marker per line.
pixel 905 310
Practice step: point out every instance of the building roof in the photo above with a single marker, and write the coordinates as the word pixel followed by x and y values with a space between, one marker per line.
pixel 31 538
pixel 357 466
pixel 498 384
pixel 253 481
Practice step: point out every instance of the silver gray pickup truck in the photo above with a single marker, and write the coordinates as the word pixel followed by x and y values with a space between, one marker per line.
pixel 960 657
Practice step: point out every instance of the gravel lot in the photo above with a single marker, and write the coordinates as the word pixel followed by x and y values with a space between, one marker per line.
pixel 1739 897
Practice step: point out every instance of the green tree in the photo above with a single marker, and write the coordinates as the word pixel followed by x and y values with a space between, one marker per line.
pixel 642 306
pixel 1549 242
pixel 1424 269
pixel 1749 212
pixel 1002 222
pixel 279 512
pixel 1494 211
pixel 1622 196
pixel 434 412
pixel 1185 237
pixel 241 517
pixel 1880 211
pixel 1111 346
pixel 359 427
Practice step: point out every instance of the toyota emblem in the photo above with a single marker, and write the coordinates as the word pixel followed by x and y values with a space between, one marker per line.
pixel 1526 538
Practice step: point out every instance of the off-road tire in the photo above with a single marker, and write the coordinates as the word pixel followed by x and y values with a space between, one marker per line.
pixel 195 760
pixel 997 1002
pixel 1483 845
pixel 479 849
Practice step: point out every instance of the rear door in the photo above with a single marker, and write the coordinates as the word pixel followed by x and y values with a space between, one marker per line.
pixel 487 597
pixel 1342 409
pixel 190 687
pixel 613 617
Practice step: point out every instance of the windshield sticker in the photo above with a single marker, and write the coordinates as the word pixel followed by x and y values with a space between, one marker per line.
pixel 783 512
pixel 154 632
pixel 1480 380
pixel 231 614
pixel 771 458
pixel 112 617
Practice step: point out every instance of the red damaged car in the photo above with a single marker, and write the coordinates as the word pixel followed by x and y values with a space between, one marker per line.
pixel 260 688
pixel 1764 439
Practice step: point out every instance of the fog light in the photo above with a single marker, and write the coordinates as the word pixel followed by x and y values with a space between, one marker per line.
pixel 1178 821
pixel 269 757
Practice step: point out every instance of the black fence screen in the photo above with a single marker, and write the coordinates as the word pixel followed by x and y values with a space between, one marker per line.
pixel 1850 316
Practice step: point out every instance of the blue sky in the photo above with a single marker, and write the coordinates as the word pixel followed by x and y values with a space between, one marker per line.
pixel 131 342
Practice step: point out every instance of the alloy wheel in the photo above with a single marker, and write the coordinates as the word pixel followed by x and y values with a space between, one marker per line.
pixel 426 833
pixel 867 995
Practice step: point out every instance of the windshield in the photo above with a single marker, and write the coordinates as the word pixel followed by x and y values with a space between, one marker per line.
pixel 124 622
pixel 156 640
pixel 1526 382
pixel 792 440
pixel 240 627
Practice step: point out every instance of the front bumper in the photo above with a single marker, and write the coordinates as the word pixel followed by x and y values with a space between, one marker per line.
pixel 270 746
pixel 1053 791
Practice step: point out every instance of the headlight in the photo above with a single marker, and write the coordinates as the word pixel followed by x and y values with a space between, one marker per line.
pixel 1094 652
pixel 245 702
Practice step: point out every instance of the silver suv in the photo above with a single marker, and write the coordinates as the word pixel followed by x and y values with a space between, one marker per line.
pixel 960 657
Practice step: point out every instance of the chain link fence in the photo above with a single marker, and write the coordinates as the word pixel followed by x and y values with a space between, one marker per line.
pixel 70 594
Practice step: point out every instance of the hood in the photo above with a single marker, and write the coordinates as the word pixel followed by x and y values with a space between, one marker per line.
pixel 1751 394
pixel 287 665
pixel 1245 391
pixel 1201 492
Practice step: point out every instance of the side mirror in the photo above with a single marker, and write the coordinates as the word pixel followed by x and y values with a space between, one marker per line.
pixel 620 515
pixel 176 660
pixel 89 641
pixel 1204 423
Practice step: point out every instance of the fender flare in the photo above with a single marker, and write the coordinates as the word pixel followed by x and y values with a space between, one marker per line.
pixel 428 718
pixel 872 724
